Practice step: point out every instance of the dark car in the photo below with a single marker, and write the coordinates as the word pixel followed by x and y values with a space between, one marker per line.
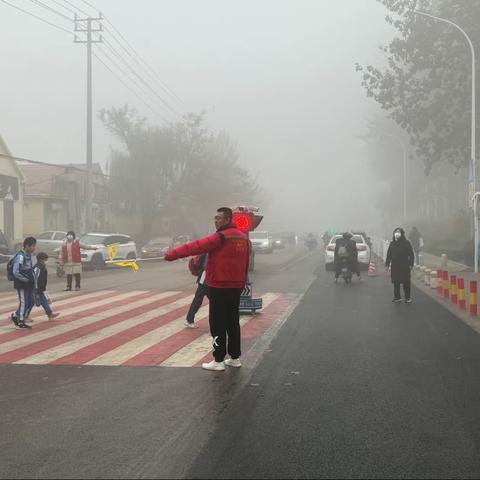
pixel 4 248
pixel 156 247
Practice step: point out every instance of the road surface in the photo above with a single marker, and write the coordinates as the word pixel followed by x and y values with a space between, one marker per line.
pixel 351 385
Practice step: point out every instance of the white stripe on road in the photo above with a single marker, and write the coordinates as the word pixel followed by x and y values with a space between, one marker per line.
pixel 36 336
pixel 192 353
pixel 131 349
pixel 54 353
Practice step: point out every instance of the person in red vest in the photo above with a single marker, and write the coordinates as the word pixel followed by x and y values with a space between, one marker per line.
pixel 227 269
pixel 71 259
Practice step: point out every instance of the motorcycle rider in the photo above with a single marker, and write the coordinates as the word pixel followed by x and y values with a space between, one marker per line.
pixel 346 250
pixel 311 242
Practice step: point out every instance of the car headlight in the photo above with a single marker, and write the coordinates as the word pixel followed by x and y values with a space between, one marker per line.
pixel 144 250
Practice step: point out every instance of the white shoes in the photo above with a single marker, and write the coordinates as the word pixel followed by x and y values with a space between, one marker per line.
pixel 235 363
pixel 191 325
pixel 214 366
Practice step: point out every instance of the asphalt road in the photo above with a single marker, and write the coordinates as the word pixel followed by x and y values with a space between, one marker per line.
pixel 353 386
pixel 356 387
pixel 121 422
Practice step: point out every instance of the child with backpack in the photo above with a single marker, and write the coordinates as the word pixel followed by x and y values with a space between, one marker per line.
pixel 20 272
pixel 40 274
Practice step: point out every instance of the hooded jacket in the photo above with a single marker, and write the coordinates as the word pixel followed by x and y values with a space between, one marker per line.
pixel 400 257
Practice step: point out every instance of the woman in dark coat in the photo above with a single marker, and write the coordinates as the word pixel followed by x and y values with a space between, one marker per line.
pixel 400 258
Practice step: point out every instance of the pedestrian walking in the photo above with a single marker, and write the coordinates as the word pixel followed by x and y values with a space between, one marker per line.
pixel 416 241
pixel 198 267
pixel 71 259
pixel 400 261
pixel 20 271
pixel 226 275
pixel 40 274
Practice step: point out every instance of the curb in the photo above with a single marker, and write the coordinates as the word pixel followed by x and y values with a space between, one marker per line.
pixel 472 322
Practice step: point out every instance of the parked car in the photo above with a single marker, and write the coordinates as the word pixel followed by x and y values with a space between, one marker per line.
pixel 156 247
pixel 262 242
pixel 181 240
pixel 362 247
pixel 278 241
pixel 49 241
pixel 96 258
pixel 5 251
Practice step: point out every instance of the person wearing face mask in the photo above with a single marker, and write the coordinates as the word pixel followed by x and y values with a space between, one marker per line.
pixel 71 259
pixel 400 261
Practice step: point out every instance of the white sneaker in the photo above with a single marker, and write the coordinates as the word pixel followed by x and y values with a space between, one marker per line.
pixel 215 366
pixel 191 325
pixel 233 362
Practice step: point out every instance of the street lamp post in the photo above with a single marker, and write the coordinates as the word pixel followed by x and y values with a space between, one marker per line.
pixel 473 161
pixel 404 149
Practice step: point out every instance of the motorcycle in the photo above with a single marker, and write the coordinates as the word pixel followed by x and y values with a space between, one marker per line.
pixel 345 271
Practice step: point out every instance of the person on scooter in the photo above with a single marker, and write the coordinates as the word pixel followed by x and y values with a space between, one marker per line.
pixel 346 251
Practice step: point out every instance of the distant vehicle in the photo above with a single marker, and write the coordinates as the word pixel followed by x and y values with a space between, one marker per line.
pixel 311 241
pixel 96 258
pixel 262 242
pixel 278 241
pixel 49 241
pixel 289 238
pixel 157 247
pixel 362 247
pixel 365 236
pixel 4 248
pixel 181 240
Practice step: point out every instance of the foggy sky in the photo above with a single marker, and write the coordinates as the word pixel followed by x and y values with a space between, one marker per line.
pixel 278 75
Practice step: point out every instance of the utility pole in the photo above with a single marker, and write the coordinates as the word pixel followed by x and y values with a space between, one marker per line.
pixel 89 26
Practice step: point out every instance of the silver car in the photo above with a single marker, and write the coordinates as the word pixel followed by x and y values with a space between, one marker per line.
pixel 50 241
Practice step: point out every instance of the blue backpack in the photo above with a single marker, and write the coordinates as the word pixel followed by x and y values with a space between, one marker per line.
pixel 10 263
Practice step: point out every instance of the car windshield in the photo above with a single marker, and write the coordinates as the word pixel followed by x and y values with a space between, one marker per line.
pixel 258 235
pixel 357 238
pixel 93 239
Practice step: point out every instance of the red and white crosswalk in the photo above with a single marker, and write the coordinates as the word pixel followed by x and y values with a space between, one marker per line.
pixel 136 328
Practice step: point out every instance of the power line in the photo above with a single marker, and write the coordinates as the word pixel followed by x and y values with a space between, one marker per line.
pixel 60 4
pixel 50 9
pixel 37 17
pixel 128 87
pixel 130 79
pixel 76 8
pixel 120 57
pixel 59 165
pixel 141 62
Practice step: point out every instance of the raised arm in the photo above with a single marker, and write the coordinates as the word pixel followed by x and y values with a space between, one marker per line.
pixel 197 247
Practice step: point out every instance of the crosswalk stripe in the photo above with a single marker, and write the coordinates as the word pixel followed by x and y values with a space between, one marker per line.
pixel 60 301
pixel 161 350
pixel 75 313
pixel 62 352
pixel 138 348
pixel 47 337
pixel 189 355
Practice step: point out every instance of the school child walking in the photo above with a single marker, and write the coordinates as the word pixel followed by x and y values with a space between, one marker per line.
pixel 40 274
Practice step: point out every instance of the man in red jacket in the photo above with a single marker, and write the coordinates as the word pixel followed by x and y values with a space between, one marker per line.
pixel 228 256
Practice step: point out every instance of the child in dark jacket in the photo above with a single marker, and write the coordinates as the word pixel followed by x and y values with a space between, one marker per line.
pixel 40 274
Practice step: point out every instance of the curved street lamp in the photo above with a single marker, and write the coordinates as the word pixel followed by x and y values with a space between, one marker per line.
pixel 473 160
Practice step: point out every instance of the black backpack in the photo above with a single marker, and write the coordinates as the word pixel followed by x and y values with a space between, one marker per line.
pixel 10 275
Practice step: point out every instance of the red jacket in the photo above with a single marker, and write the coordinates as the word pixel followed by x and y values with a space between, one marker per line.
pixel 228 256
pixel 76 256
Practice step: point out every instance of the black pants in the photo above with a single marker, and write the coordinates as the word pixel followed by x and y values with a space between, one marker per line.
pixel 200 294
pixel 406 289
pixel 77 281
pixel 225 320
